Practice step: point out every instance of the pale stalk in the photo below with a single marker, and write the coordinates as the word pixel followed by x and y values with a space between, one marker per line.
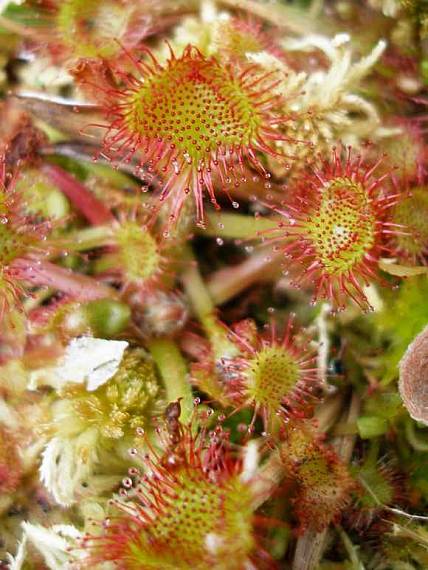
pixel 204 308
pixel 173 370
pixel 82 240
pixel 228 225
pixel 227 283
pixel 83 199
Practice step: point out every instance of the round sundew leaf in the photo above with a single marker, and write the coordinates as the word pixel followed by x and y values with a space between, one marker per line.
pixel 13 243
pixel 21 238
pixel 342 227
pixel 196 104
pixel 413 382
pixel 199 512
pixel 272 375
pixel 195 121
pixel 323 481
pixel 194 512
pixel 336 230
pixel 379 485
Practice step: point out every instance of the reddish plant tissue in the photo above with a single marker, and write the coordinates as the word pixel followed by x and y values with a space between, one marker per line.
pixel 195 121
pixel 192 511
pixel 413 384
pixel 337 228
pixel 10 462
pixel 20 238
pixel 181 181
pixel 323 482
pixel 274 373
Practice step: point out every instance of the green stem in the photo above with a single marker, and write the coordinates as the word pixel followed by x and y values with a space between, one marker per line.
pixel 229 225
pixel 87 238
pixel 356 564
pixel 373 451
pixel 194 285
pixel 418 443
pixel 204 308
pixel 17 28
pixel 173 370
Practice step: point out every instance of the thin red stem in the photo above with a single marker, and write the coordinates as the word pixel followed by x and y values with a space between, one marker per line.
pixel 48 274
pixel 88 204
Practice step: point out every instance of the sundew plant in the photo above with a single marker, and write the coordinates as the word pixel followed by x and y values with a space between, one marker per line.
pixel 213 285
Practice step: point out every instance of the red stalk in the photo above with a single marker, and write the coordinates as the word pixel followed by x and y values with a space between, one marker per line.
pixel 88 204
pixel 48 274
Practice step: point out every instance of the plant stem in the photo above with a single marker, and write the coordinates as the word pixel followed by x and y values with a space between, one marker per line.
pixel 418 443
pixel 236 226
pixel 323 345
pixel 44 273
pixel 356 564
pixel 87 238
pixel 286 17
pixel 66 116
pixel 267 480
pixel 226 283
pixel 309 549
pixel 204 308
pixel 17 28
pixel 84 200
pixel 173 370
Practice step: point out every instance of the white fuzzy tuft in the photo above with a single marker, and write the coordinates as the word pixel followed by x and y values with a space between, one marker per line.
pixel 66 463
